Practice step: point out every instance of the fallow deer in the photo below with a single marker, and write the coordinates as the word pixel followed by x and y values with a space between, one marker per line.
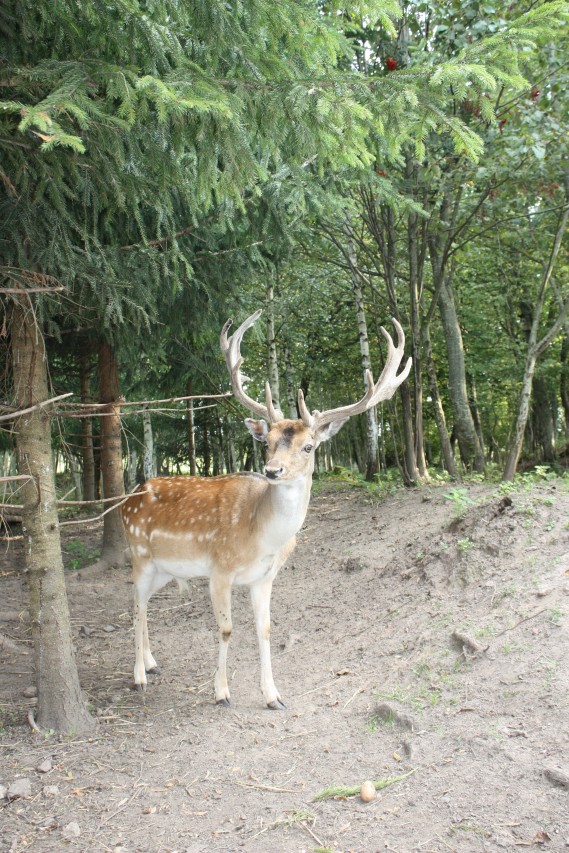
pixel 238 528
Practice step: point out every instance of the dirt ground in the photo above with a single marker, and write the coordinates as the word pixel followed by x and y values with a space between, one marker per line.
pixel 471 731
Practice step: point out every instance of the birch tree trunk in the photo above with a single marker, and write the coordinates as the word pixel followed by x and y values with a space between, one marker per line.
pixel 148 466
pixel 61 705
pixel 272 347
pixel 372 455
pixel 290 389
pixel 191 429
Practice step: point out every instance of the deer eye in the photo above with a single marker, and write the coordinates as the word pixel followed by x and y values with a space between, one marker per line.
pixel 307 448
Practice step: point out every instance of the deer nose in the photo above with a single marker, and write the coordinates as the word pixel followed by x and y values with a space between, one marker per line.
pixel 273 472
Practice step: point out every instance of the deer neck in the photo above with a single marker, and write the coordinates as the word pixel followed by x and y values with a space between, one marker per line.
pixel 287 504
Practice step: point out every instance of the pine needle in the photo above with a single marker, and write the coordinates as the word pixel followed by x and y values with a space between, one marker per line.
pixel 343 791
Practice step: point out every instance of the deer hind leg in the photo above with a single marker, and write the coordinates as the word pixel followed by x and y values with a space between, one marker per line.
pixel 220 591
pixel 146 584
pixel 261 601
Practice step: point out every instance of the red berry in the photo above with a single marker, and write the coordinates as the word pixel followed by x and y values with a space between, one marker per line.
pixel 391 64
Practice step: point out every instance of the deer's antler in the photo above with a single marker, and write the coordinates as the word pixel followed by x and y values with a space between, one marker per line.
pixel 383 389
pixel 231 348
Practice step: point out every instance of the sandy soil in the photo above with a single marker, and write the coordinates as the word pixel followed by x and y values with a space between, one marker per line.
pixel 471 730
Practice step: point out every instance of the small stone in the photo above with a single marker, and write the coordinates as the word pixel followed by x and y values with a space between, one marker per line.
pixel 20 788
pixel 45 766
pixel 50 791
pixel 85 631
pixel 108 629
pixel 30 691
pixel 3 792
pixel 71 830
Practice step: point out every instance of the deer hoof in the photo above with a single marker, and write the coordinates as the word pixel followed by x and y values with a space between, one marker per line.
pixel 154 671
pixel 225 703
pixel 140 688
pixel 276 705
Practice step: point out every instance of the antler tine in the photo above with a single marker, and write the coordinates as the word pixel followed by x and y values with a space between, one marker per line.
pixel 274 413
pixel 306 417
pixel 383 389
pixel 231 349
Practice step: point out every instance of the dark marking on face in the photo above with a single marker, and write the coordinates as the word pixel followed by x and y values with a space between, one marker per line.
pixel 287 435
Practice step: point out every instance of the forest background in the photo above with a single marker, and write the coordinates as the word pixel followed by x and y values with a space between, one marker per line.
pixel 165 166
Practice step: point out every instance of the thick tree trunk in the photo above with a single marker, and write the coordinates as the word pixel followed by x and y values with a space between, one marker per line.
pixel 372 455
pixel 471 453
pixel 61 705
pixel 114 542
pixel 89 482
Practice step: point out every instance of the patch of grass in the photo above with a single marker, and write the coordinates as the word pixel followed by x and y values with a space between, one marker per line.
pixel 555 616
pixel 465 545
pixel 460 500
pixel 343 791
pixel 80 556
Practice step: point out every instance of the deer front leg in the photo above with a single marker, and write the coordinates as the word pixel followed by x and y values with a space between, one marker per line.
pixel 145 586
pixel 261 601
pixel 220 591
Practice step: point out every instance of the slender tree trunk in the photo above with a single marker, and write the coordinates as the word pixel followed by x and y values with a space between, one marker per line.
pixel 191 430
pixel 206 444
pixel 61 705
pixel 447 454
pixel 564 379
pixel 89 482
pixel 114 542
pixel 272 347
pixel 290 389
pixel 372 455
pixel 415 277
pixel 535 346
pixel 476 414
pixel 543 419
pixel 148 460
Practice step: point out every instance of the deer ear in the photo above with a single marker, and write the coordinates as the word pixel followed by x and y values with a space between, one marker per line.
pixel 258 429
pixel 329 430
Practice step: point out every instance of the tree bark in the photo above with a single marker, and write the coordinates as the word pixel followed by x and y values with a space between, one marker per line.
pixel 89 482
pixel 290 389
pixel 61 705
pixel 416 265
pixel 149 468
pixel 372 455
pixel 564 379
pixel 471 453
pixel 272 348
pixel 447 454
pixel 114 543
pixel 191 430
pixel 535 346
